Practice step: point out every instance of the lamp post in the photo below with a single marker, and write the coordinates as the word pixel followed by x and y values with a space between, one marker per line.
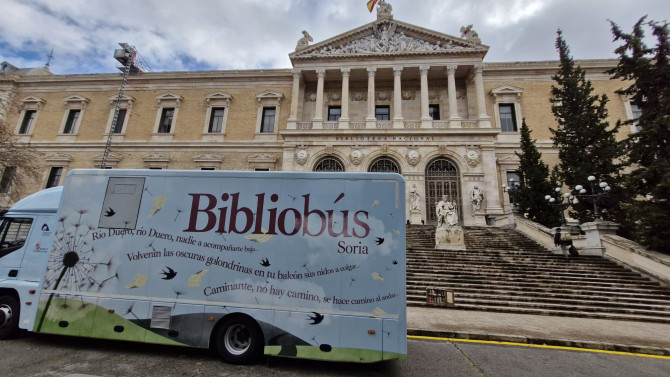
pixel 565 200
pixel 561 201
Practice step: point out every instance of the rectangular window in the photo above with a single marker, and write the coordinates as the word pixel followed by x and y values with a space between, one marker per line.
pixel 166 120
pixel 28 120
pixel 383 112
pixel 54 176
pixel 507 117
pixel 120 118
pixel 71 121
pixel 268 121
pixel 216 120
pixel 434 111
pixel 334 113
pixel 7 178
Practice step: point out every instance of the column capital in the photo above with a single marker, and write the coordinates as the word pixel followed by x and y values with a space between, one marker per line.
pixel 345 71
pixel 451 68
pixel 371 71
pixel 397 70
pixel 296 73
pixel 479 68
pixel 321 72
pixel 424 69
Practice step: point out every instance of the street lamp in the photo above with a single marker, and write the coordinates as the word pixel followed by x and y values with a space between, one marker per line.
pixel 562 201
pixel 595 196
pixel 565 200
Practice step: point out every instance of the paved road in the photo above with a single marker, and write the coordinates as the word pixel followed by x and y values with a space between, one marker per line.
pixel 44 355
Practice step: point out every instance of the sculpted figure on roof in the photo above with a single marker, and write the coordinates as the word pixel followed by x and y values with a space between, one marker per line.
pixel 384 10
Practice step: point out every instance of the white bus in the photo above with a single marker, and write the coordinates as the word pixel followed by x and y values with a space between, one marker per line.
pixel 308 265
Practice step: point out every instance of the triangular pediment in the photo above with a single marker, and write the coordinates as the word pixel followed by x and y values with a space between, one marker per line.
pixel 389 37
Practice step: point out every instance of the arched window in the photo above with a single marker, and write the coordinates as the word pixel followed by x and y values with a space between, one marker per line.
pixel 329 164
pixel 384 165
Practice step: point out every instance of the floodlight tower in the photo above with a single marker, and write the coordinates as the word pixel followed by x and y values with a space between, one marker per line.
pixel 126 55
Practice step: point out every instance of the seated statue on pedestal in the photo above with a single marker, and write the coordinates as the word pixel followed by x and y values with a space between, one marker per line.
pixel 447 215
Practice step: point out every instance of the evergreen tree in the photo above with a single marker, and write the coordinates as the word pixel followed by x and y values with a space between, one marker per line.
pixel 586 143
pixel 534 184
pixel 649 70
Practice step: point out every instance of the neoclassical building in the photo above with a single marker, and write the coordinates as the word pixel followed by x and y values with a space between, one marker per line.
pixel 387 96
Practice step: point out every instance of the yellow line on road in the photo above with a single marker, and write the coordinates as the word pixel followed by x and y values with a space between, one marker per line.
pixel 537 346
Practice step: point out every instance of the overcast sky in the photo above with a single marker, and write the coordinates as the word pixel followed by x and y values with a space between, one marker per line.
pixel 175 35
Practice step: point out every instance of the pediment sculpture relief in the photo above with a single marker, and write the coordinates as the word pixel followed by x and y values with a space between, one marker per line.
pixel 387 38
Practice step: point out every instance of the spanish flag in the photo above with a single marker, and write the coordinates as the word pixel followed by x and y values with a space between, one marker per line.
pixel 371 5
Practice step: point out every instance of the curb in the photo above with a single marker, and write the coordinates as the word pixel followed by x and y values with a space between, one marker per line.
pixel 639 349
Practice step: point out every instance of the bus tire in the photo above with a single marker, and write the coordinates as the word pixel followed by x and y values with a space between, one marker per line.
pixel 239 340
pixel 9 316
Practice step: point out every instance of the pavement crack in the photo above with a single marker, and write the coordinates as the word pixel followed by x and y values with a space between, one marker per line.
pixel 470 360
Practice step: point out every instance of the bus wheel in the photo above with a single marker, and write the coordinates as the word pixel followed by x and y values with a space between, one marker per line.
pixel 9 317
pixel 239 340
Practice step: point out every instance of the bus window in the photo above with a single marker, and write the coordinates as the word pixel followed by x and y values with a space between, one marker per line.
pixel 13 234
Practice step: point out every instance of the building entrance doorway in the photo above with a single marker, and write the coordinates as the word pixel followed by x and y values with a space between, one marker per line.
pixel 442 178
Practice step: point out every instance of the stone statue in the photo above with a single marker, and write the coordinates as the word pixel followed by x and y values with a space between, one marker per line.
pixel 384 9
pixel 476 197
pixel 468 34
pixel 304 41
pixel 414 198
pixel 447 215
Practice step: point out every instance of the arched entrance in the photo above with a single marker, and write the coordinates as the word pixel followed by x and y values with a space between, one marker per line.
pixel 442 178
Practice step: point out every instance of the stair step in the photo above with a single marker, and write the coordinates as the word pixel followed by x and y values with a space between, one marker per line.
pixel 502 270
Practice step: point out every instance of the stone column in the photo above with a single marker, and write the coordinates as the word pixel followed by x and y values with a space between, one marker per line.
pixel 371 120
pixel 454 119
pixel 397 98
pixel 426 120
pixel 292 121
pixel 318 110
pixel 484 119
pixel 344 117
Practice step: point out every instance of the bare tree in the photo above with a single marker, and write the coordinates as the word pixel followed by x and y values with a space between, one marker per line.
pixel 19 161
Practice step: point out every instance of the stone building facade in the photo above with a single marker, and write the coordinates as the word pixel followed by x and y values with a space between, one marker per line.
pixel 387 96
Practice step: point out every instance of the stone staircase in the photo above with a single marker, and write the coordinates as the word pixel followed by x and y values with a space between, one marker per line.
pixel 504 271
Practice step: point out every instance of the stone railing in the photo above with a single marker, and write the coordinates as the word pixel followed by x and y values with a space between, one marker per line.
pixel 616 248
pixel 412 124
pixel 407 124
pixel 633 255
pixel 384 125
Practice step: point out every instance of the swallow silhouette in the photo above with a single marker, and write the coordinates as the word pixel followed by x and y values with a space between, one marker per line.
pixel 169 274
pixel 265 262
pixel 316 319
pixel 379 240
pixel 109 212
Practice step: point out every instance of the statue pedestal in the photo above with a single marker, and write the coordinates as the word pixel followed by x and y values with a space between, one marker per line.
pixel 415 216
pixel 449 238
pixel 480 220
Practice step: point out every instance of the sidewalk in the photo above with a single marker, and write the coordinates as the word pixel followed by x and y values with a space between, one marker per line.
pixel 612 335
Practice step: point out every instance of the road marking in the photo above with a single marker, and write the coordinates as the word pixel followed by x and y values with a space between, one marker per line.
pixel 537 346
